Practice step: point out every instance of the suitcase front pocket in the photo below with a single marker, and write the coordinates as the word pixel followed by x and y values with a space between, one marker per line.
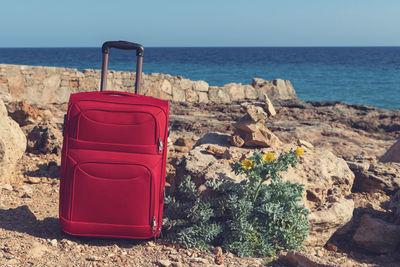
pixel 117 194
pixel 117 127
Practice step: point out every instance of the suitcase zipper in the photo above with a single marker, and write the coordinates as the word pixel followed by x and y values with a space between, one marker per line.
pixel 154 223
pixel 160 145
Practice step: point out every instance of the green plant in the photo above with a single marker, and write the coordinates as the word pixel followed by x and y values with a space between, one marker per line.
pixel 250 218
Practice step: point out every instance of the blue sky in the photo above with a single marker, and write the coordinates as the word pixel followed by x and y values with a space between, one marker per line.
pixel 83 23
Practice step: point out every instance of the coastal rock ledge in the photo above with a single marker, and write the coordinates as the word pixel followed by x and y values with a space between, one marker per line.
pixel 45 85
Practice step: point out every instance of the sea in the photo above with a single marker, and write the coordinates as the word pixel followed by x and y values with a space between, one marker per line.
pixel 356 75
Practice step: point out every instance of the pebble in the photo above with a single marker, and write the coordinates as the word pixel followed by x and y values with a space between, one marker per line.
pixel 164 263
pixel 34 180
pixel 199 260
pixel 53 242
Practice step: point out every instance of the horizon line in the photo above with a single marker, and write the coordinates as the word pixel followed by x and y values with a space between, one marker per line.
pixel 283 46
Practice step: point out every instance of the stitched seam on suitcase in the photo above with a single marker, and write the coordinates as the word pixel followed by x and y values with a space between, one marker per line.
pixel 89 145
pixel 77 167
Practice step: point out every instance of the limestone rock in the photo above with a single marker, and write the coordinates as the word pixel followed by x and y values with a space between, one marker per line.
pixel 327 220
pixel 254 114
pixel 304 143
pixel 235 91
pixel 269 107
pixel 276 89
pixel 12 144
pixel 393 153
pixel 45 138
pixel 236 140
pixel 201 86
pixel 257 135
pixel 24 113
pixel 218 95
pixel 376 235
pixel 376 176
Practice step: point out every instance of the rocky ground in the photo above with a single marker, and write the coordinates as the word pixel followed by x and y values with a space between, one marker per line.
pixel 357 136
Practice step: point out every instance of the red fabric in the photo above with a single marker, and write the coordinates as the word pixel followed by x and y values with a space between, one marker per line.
pixel 112 172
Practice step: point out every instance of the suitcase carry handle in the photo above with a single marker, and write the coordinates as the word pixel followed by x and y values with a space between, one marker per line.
pixel 125 46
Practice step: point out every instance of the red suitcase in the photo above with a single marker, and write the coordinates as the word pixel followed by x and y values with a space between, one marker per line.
pixel 114 160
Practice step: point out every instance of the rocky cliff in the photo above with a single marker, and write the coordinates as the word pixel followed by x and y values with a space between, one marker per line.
pixel 45 85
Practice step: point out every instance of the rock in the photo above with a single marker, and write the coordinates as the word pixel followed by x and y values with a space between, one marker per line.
pixel 218 95
pixel 201 86
pixel 278 89
pixel 256 135
pixel 235 91
pixel 269 107
pixel 375 177
pixel 25 191
pixel 37 251
pixel 236 140
pixel 218 152
pixel 24 113
pixel 326 221
pixel 12 145
pixel 376 235
pixel 302 259
pixel 254 114
pixel 218 256
pixel 45 138
pixel 34 180
pixel 164 263
pixel 53 242
pixel 306 144
pixel 393 153
pixel 183 145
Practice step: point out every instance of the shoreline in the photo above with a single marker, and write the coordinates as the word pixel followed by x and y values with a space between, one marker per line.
pixel 36 84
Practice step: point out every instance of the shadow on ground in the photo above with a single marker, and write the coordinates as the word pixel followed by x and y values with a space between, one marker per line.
pixel 22 220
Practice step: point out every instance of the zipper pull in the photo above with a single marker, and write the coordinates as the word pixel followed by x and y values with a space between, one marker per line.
pixel 160 145
pixel 154 223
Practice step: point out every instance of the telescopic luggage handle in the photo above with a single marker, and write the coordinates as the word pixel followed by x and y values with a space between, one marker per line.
pixel 125 46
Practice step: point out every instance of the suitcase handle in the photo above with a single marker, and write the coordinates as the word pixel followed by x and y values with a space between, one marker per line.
pixel 125 46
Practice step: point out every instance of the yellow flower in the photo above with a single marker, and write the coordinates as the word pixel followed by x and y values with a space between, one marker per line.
pixel 247 164
pixel 299 151
pixel 269 157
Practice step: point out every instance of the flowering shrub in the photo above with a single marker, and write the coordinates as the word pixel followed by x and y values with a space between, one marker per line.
pixel 250 218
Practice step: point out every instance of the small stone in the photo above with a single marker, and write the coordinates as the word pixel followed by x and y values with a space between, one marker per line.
pixel 305 144
pixel 269 108
pixel 34 180
pixel 25 191
pixel 53 242
pixel 164 263
pixel 218 152
pixel 236 140
pixel 218 251
pixel 177 264
pixel 93 258
pixel 199 260
pixel 331 247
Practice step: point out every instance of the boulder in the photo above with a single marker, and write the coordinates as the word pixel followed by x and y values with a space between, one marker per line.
pixel 376 235
pixel 372 177
pixel 393 153
pixel 12 145
pixel 327 180
pixel 24 113
pixel 277 89
pixel 45 138
pixel 218 95
pixel 327 219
